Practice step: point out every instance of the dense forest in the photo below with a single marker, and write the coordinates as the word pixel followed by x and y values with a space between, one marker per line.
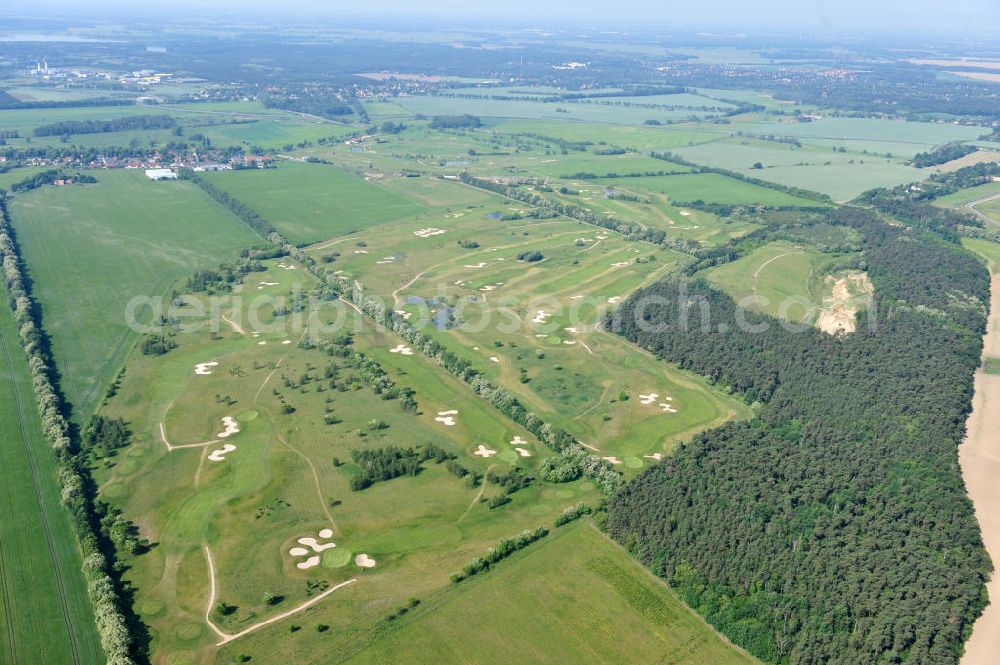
pixel 942 154
pixel 834 526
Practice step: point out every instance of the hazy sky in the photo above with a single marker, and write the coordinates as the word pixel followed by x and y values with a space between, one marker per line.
pixel 813 15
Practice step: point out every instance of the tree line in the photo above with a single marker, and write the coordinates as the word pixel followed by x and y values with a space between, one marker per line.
pixel 131 122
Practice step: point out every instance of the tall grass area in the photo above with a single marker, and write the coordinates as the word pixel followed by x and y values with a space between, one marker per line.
pixel 311 202
pixel 91 248
pixel 606 607
pixel 45 616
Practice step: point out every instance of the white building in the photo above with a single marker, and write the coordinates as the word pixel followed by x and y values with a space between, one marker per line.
pixel 160 174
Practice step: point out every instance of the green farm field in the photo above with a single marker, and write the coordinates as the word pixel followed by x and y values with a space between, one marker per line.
pixel 312 202
pixel 607 609
pixel 91 248
pixel 46 615
pixel 710 188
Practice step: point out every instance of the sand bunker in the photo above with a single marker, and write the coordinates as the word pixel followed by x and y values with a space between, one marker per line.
pixel 263 284
pixel 523 452
pixel 361 251
pixel 540 316
pixel 656 456
pixel 308 563
pixel 286 266
pixel 576 297
pixel 406 315
pixel 231 427
pixel 483 451
pixel 612 459
pixel 298 551
pixel 489 287
pixel 315 545
pixel 326 533
pixel 571 330
pixel 481 264
pixel 667 407
pixel 428 232
pixel 685 213
pixel 220 454
pixel 614 300
pixel 203 368
pixel 402 349
pixel 446 417
pixel 286 341
pixel 364 561
pixel 648 399
pixel 494 359
pixel 261 343
pixel 518 441
pixel 620 264
pixel 569 341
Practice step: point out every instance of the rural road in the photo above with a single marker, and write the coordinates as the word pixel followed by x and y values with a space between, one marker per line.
pixel 971 206
pixel 979 457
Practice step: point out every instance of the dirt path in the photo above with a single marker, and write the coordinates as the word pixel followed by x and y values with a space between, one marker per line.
pixel 979 457
pixel 475 500
pixel 170 446
pixel 971 207
pixel 235 326
pixel 763 265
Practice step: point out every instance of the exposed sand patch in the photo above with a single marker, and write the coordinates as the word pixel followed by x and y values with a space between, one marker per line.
pixel 220 454
pixel 428 232
pixel 648 399
pixel 849 294
pixel 494 359
pixel 402 349
pixel 481 264
pixel 204 368
pixel 364 561
pixel 612 459
pixel 446 417
pixel 311 562
pixel 483 451
pixel 654 456
pixel 979 457
pixel 518 441
pixel 540 316
pixel 231 427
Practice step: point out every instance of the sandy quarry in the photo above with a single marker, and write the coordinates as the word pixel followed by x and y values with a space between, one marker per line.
pixel 979 457
pixel 848 294
pixel 205 368
pixel 230 427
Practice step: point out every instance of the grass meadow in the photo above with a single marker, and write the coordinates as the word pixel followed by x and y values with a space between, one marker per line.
pixel 91 248
pixel 312 202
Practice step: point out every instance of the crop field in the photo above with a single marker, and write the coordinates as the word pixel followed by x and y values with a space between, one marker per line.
pixel 710 188
pixel 310 202
pixel 608 610
pixel 45 615
pixel 91 248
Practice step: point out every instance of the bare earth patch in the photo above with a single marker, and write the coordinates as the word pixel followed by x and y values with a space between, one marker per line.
pixel 849 293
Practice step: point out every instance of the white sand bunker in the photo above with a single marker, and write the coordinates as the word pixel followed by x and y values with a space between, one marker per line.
pixel 298 551
pixel 481 264
pixel 286 266
pixel 620 264
pixel 428 232
pixel 518 441
pixel 523 452
pixel 263 284
pixel 648 399
pixel 569 341
pixel 361 251
pixel 286 341
pixel 614 300
pixel 541 336
pixel 406 315
pixel 540 316
pixel 364 561
pixel 571 330
pixel 483 451
pixel 308 563
pixel 315 545
pixel 386 259
pixel 667 407
pixel 685 213
pixel 576 297
pixel 655 456
pixel 446 417
pixel 204 368
pixel 261 343
pixel 583 240
pixel 488 287
pixel 402 349
pixel 612 459
pixel 231 427
pixel 326 533
pixel 494 359
pixel 220 454
pixel 602 236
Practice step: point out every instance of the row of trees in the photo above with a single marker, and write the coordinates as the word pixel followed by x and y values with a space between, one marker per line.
pixel 499 552
pixel 72 475
pixel 834 526
pixel 127 123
